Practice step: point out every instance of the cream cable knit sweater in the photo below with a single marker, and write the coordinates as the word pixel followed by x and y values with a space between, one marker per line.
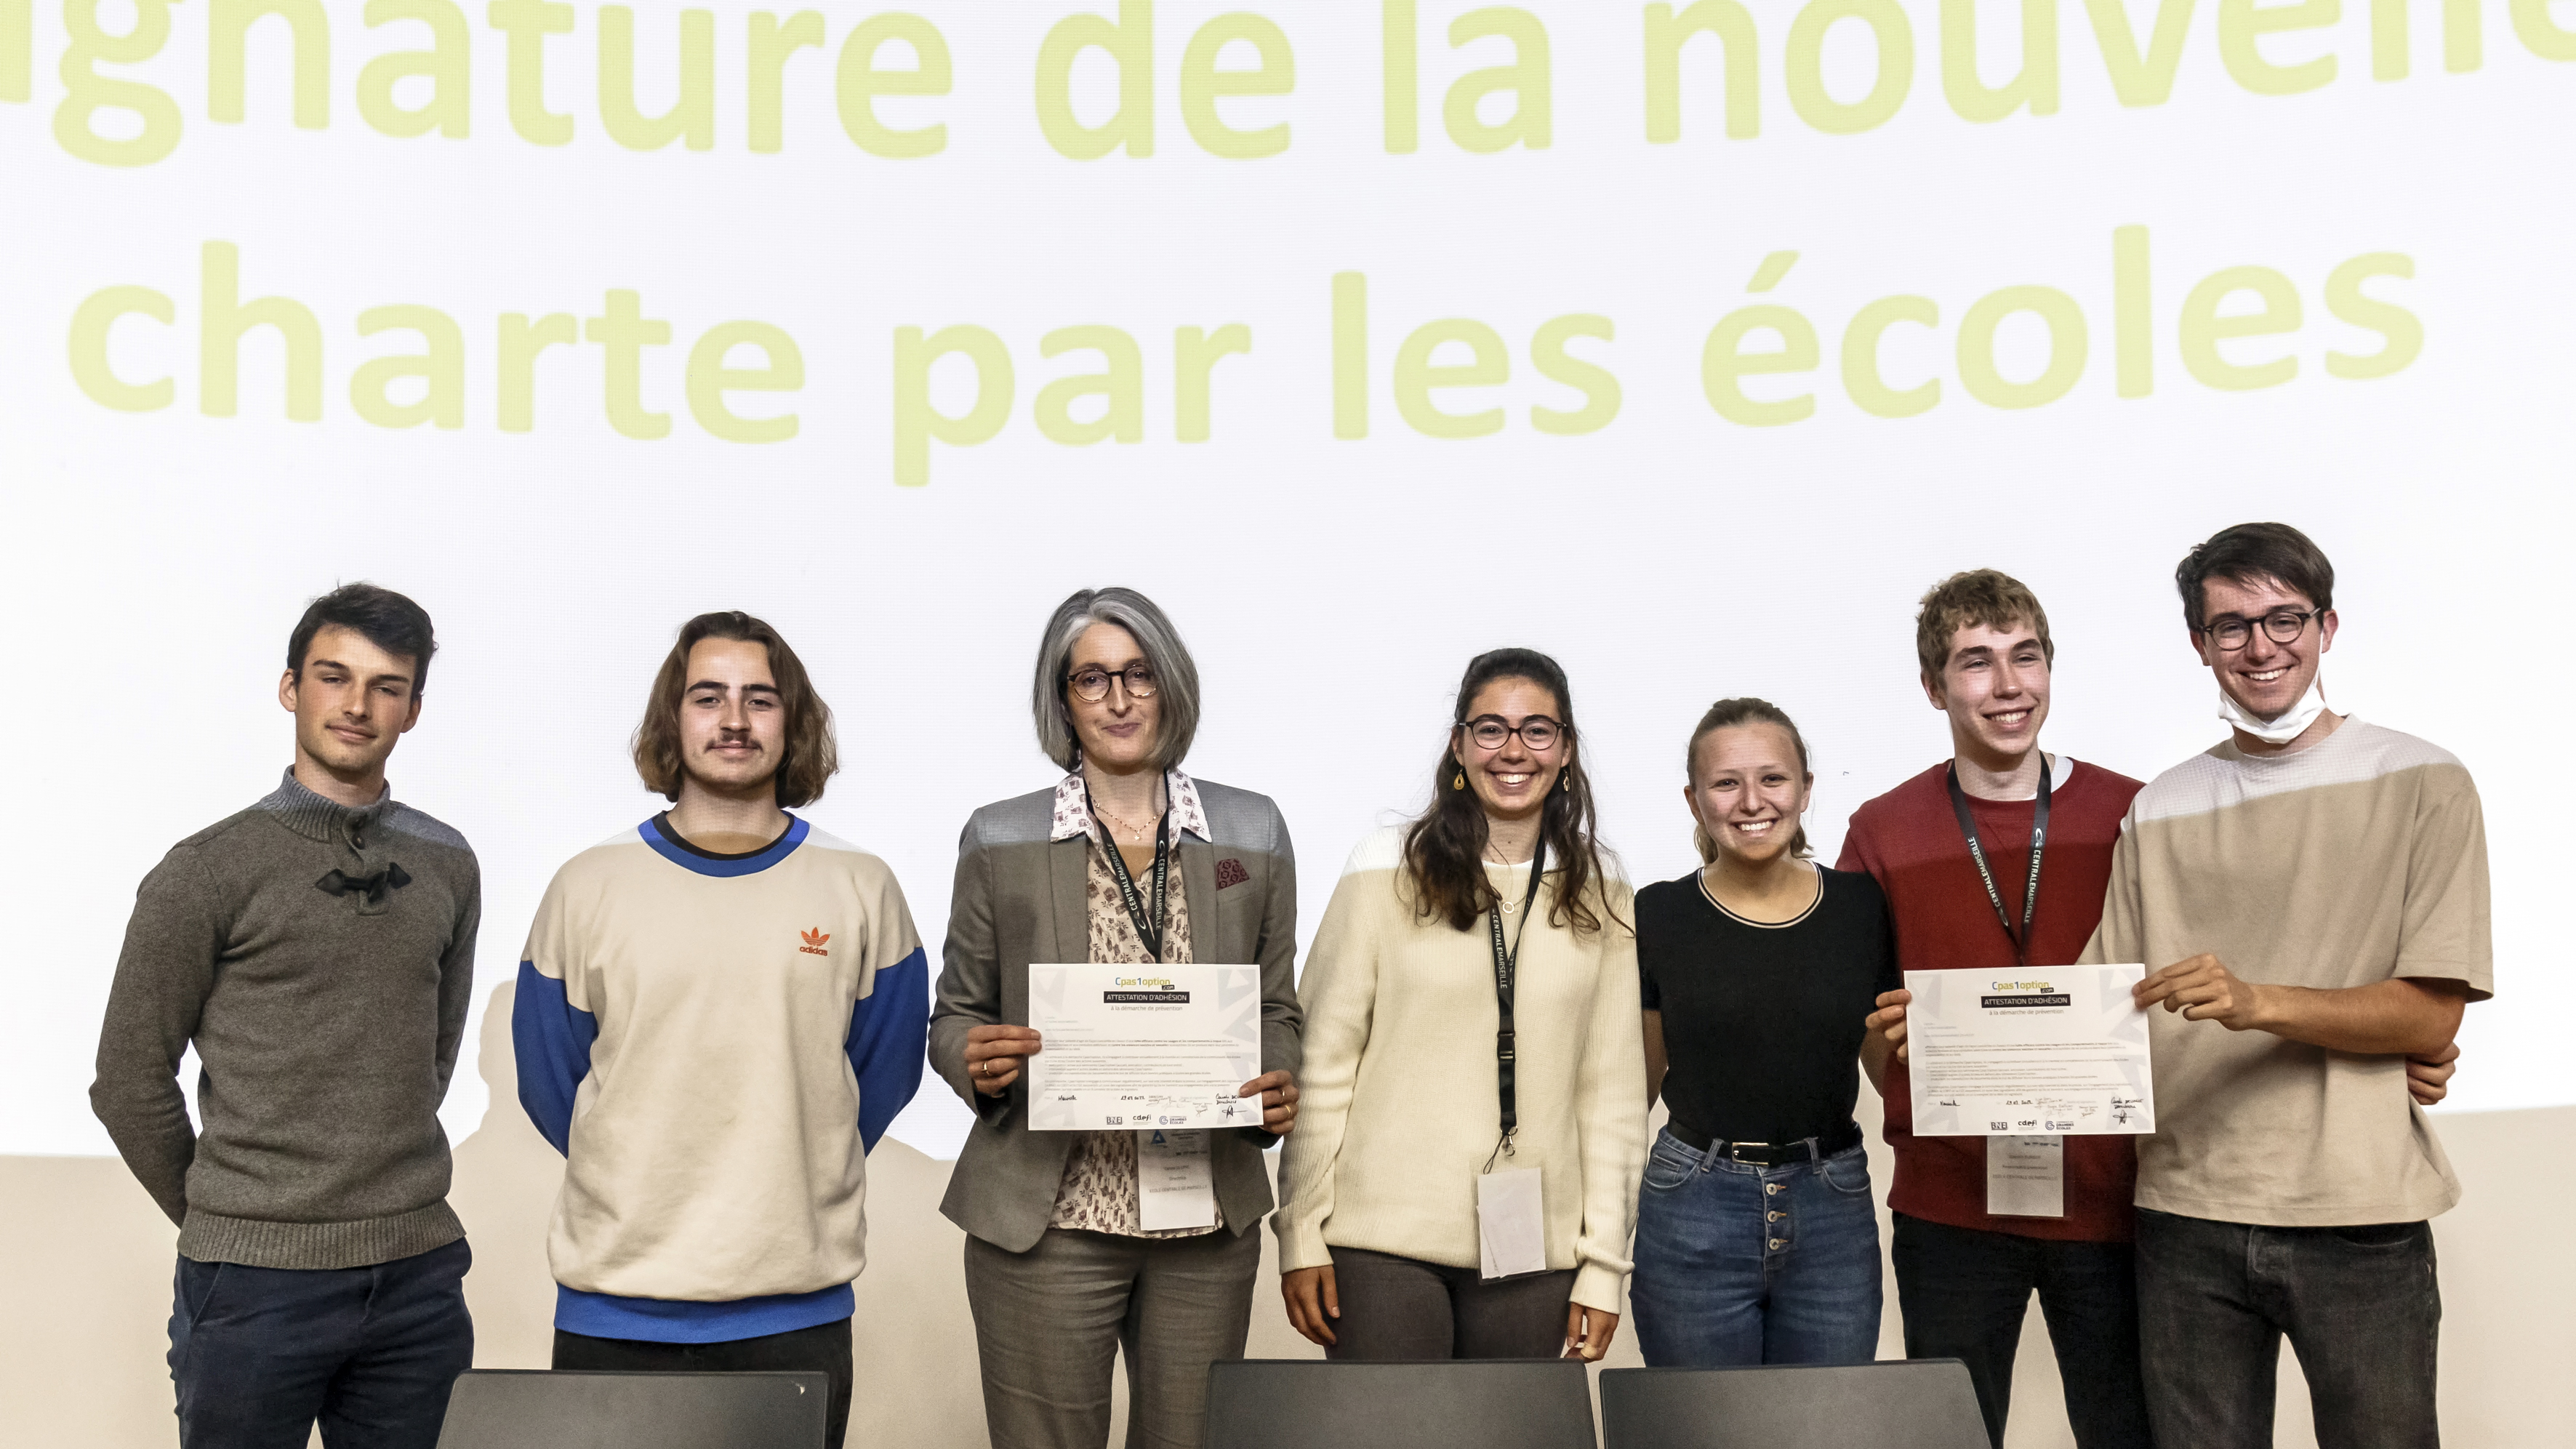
pixel 1399 1111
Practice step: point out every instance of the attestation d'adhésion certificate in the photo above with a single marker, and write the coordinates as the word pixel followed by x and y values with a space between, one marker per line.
pixel 2050 1049
pixel 1125 1046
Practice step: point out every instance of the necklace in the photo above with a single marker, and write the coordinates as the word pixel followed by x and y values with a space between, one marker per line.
pixel 1140 833
pixel 1509 906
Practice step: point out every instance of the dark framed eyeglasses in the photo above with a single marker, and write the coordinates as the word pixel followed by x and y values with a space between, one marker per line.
pixel 1489 731
pixel 1092 684
pixel 2281 626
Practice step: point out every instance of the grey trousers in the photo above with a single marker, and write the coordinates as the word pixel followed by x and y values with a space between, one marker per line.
pixel 1049 1323
pixel 2362 1305
pixel 1401 1309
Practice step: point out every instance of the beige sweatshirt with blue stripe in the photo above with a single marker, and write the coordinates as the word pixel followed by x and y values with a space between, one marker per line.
pixel 714 1042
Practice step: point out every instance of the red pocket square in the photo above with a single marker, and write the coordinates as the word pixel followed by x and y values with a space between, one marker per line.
pixel 1230 872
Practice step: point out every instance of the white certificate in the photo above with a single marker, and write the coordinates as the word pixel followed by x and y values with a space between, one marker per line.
pixel 1144 1046
pixel 2046 1049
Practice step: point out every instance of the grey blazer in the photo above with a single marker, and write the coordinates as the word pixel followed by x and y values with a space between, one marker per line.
pixel 1020 898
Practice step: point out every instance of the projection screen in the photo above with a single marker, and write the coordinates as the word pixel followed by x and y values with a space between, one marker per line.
pixel 1690 343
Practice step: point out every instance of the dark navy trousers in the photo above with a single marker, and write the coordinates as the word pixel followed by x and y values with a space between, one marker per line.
pixel 259 1355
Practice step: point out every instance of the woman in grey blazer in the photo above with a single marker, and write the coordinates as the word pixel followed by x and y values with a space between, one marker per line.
pixel 1060 1271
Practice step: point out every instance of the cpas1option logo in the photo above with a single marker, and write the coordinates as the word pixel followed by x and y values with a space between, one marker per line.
pixel 2011 994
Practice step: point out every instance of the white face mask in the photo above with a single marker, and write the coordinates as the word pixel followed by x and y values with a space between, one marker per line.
pixel 2293 722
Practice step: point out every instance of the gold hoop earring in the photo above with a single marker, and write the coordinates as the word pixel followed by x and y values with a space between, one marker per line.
pixel 1458 781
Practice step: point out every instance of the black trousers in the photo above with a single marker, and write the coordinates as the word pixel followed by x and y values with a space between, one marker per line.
pixel 2361 1305
pixel 824 1348
pixel 1405 1309
pixel 1964 1293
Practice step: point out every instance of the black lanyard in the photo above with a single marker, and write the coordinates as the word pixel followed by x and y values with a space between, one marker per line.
pixel 1149 929
pixel 1506 967
pixel 1977 853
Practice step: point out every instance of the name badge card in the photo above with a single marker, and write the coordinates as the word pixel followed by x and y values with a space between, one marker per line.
pixel 1174 1188
pixel 1511 1222
pixel 2026 1177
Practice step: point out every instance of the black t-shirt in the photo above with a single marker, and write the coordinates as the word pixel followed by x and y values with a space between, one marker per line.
pixel 1762 1024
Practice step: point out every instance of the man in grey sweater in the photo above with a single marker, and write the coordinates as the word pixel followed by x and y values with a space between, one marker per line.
pixel 318 951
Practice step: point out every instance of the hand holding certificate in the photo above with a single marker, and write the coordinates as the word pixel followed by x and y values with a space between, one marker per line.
pixel 2035 1050
pixel 1129 1046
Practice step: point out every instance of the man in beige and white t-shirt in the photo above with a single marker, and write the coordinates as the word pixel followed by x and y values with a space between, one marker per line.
pixel 2314 890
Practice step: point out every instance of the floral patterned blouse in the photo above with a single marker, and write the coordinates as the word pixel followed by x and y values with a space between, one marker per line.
pixel 1099 1190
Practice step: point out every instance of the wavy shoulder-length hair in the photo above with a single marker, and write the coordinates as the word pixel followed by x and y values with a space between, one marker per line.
pixel 1444 851
pixel 811 759
pixel 1176 676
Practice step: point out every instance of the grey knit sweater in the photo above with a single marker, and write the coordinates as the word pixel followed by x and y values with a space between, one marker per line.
pixel 322 961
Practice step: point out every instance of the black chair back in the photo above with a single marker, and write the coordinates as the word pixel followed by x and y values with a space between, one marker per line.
pixel 1914 1404
pixel 1486 1404
pixel 531 1409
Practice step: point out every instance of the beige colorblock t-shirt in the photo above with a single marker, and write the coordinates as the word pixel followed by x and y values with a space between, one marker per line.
pixel 2358 859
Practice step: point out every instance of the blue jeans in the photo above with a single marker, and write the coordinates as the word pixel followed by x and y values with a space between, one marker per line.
pixel 260 1354
pixel 1740 1265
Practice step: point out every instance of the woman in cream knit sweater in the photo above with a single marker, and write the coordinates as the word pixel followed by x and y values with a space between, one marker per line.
pixel 1401 1128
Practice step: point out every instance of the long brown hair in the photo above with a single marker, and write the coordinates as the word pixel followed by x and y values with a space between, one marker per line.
pixel 811 759
pixel 1725 714
pixel 1444 851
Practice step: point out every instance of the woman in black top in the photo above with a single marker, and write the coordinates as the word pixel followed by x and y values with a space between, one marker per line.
pixel 1756 1238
